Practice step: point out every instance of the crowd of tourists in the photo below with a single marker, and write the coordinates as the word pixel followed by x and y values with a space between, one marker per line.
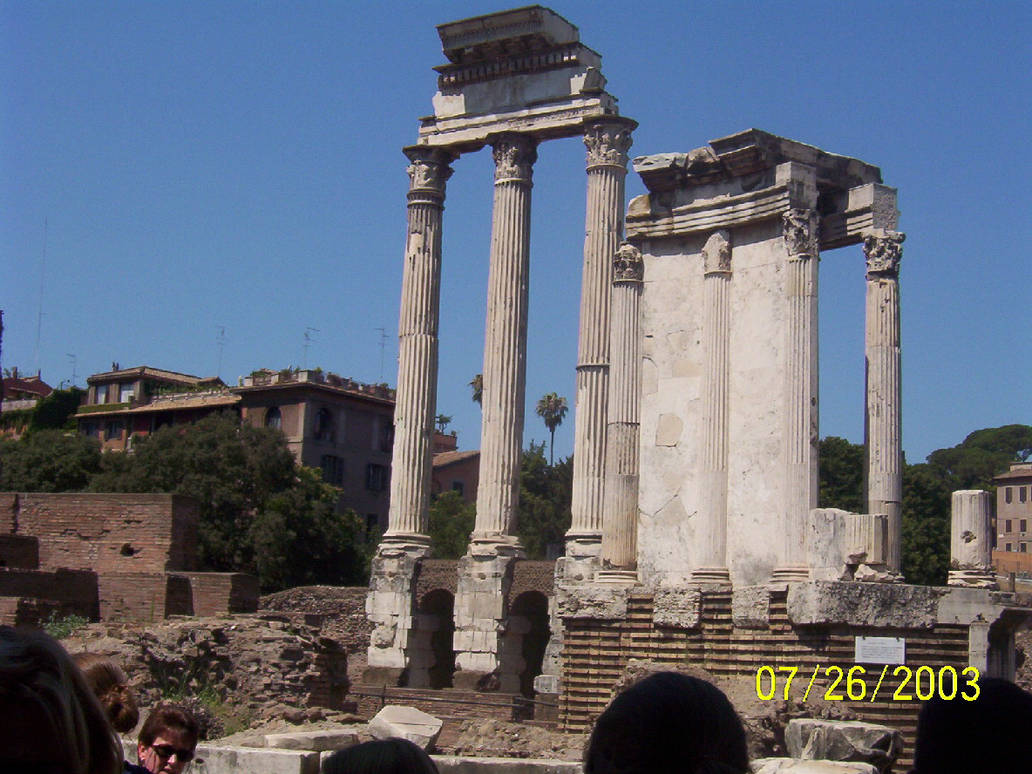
pixel 62 714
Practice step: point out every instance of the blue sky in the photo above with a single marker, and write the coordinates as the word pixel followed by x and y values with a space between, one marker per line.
pixel 238 165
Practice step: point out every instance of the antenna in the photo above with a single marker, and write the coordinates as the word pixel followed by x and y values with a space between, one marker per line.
pixel 42 276
pixel 74 363
pixel 383 340
pixel 308 340
pixel 220 340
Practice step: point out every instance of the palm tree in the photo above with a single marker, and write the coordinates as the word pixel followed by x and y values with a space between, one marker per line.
pixel 477 385
pixel 442 420
pixel 552 408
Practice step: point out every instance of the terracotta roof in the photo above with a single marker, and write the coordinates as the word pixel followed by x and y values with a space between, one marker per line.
pixel 33 385
pixel 451 457
pixel 1022 470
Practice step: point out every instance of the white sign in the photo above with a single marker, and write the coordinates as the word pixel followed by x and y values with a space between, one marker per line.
pixel 880 650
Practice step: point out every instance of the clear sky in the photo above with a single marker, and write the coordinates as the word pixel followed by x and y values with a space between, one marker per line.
pixel 236 166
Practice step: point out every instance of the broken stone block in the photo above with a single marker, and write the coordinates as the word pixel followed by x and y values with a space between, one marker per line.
pixel 843 740
pixel 408 723
pixel 312 740
pixel 796 766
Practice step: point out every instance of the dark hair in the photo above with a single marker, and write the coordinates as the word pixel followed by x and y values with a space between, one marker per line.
pixel 384 756
pixel 668 722
pixel 109 684
pixel 169 717
pixel 962 736
pixel 52 720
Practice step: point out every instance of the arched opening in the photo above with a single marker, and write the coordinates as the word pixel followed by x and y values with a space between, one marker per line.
pixel 438 605
pixel 532 607
pixel 273 418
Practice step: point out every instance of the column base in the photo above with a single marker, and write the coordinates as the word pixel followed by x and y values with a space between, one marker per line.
pixel 617 577
pixel 711 575
pixel 973 579
pixel 790 573
pixel 411 543
pixel 495 544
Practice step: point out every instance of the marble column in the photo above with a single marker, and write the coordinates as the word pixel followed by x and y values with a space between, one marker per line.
pixel 800 495
pixel 712 530
pixel 620 522
pixel 971 540
pixel 416 400
pixel 607 141
pixel 883 446
pixel 505 344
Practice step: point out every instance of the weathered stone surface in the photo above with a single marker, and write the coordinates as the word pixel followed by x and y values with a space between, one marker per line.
pixel 794 766
pixel 604 602
pixel 312 740
pixel 677 608
pixel 408 723
pixel 750 607
pixel 229 760
pixel 843 740
pixel 883 605
pixel 460 764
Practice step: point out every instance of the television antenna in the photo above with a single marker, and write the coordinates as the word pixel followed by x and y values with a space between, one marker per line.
pixel 308 340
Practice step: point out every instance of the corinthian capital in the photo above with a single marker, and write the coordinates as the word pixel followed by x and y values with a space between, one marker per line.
pixel 627 264
pixel 883 250
pixel 608 143
pixel 716 253
pixel 800 229
pixel 514 157
pixel 429 170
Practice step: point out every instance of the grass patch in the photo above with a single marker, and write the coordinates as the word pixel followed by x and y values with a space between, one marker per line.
pixel 61 626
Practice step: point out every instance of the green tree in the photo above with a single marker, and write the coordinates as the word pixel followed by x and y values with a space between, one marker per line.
pixel 925 551
pixel 476 384
pixel 48 461
pixel 985 453
pixel 55 410
pixel 545 495
pixel 552 409
pixel 841 475
pixel 442 421
pixel 451 521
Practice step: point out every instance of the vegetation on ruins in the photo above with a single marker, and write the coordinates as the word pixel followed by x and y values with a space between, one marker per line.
pixel 927 488
pixel 52 412
pixel 552 409
pixel 476 384
pixel 451 521
pixel 260 512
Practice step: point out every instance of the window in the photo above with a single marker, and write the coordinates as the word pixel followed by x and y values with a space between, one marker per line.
pixel 273 418
pixel 457 486
pixel 1007 526
pixel 1008 494
pixel 372 523
pixel 125 392
pixel 332 469
pixel 102 393
pixel 386 435
pixel 114 430
pixel 324 425
pixel 92 429
pixel 376 477
pixel 1007 547
pixel 1022 494
pixel 1024 548
pixel 1024 525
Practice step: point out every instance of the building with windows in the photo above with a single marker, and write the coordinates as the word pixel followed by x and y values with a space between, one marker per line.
pixel 343 427
pixel 20 394
pixel 1014 509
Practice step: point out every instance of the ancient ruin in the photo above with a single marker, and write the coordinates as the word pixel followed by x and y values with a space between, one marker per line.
pixel 696 535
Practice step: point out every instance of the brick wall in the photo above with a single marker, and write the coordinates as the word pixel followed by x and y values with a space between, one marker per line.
pixel 8 512
pixel 19 551
pixel 136 596
pixel 218 593
pixel 72 590
pixel 436 574
pixel 108 533
pixel 530 575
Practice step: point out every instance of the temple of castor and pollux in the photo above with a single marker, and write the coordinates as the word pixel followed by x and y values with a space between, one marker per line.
pixel 696 536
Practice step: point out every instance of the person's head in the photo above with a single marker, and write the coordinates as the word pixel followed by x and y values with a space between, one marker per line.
pixel 384 756
pixel 52 722
pixel 167 739
pixel 668 722
pixel 109 684
pixel 958 735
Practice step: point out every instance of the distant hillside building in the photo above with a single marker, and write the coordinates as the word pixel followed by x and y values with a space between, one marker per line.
pixel 20 394
pixel 1014 509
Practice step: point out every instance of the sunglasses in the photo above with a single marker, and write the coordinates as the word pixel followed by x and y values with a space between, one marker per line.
pixel 166 751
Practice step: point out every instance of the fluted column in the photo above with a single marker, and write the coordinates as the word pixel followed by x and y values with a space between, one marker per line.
pixel 712 530
pixel 607 141
pixel 505 344
pixel 800 363
pixel 971 540
pixel 620 522
pixel 882 429
pixel 416 400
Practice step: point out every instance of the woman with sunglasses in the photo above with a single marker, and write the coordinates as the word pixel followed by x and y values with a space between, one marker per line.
pixel 167 741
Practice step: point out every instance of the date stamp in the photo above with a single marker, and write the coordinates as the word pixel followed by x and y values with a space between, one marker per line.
pixel 853 683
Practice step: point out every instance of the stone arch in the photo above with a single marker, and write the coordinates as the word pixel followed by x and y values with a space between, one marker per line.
pixel 436 611
pixel 528 621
